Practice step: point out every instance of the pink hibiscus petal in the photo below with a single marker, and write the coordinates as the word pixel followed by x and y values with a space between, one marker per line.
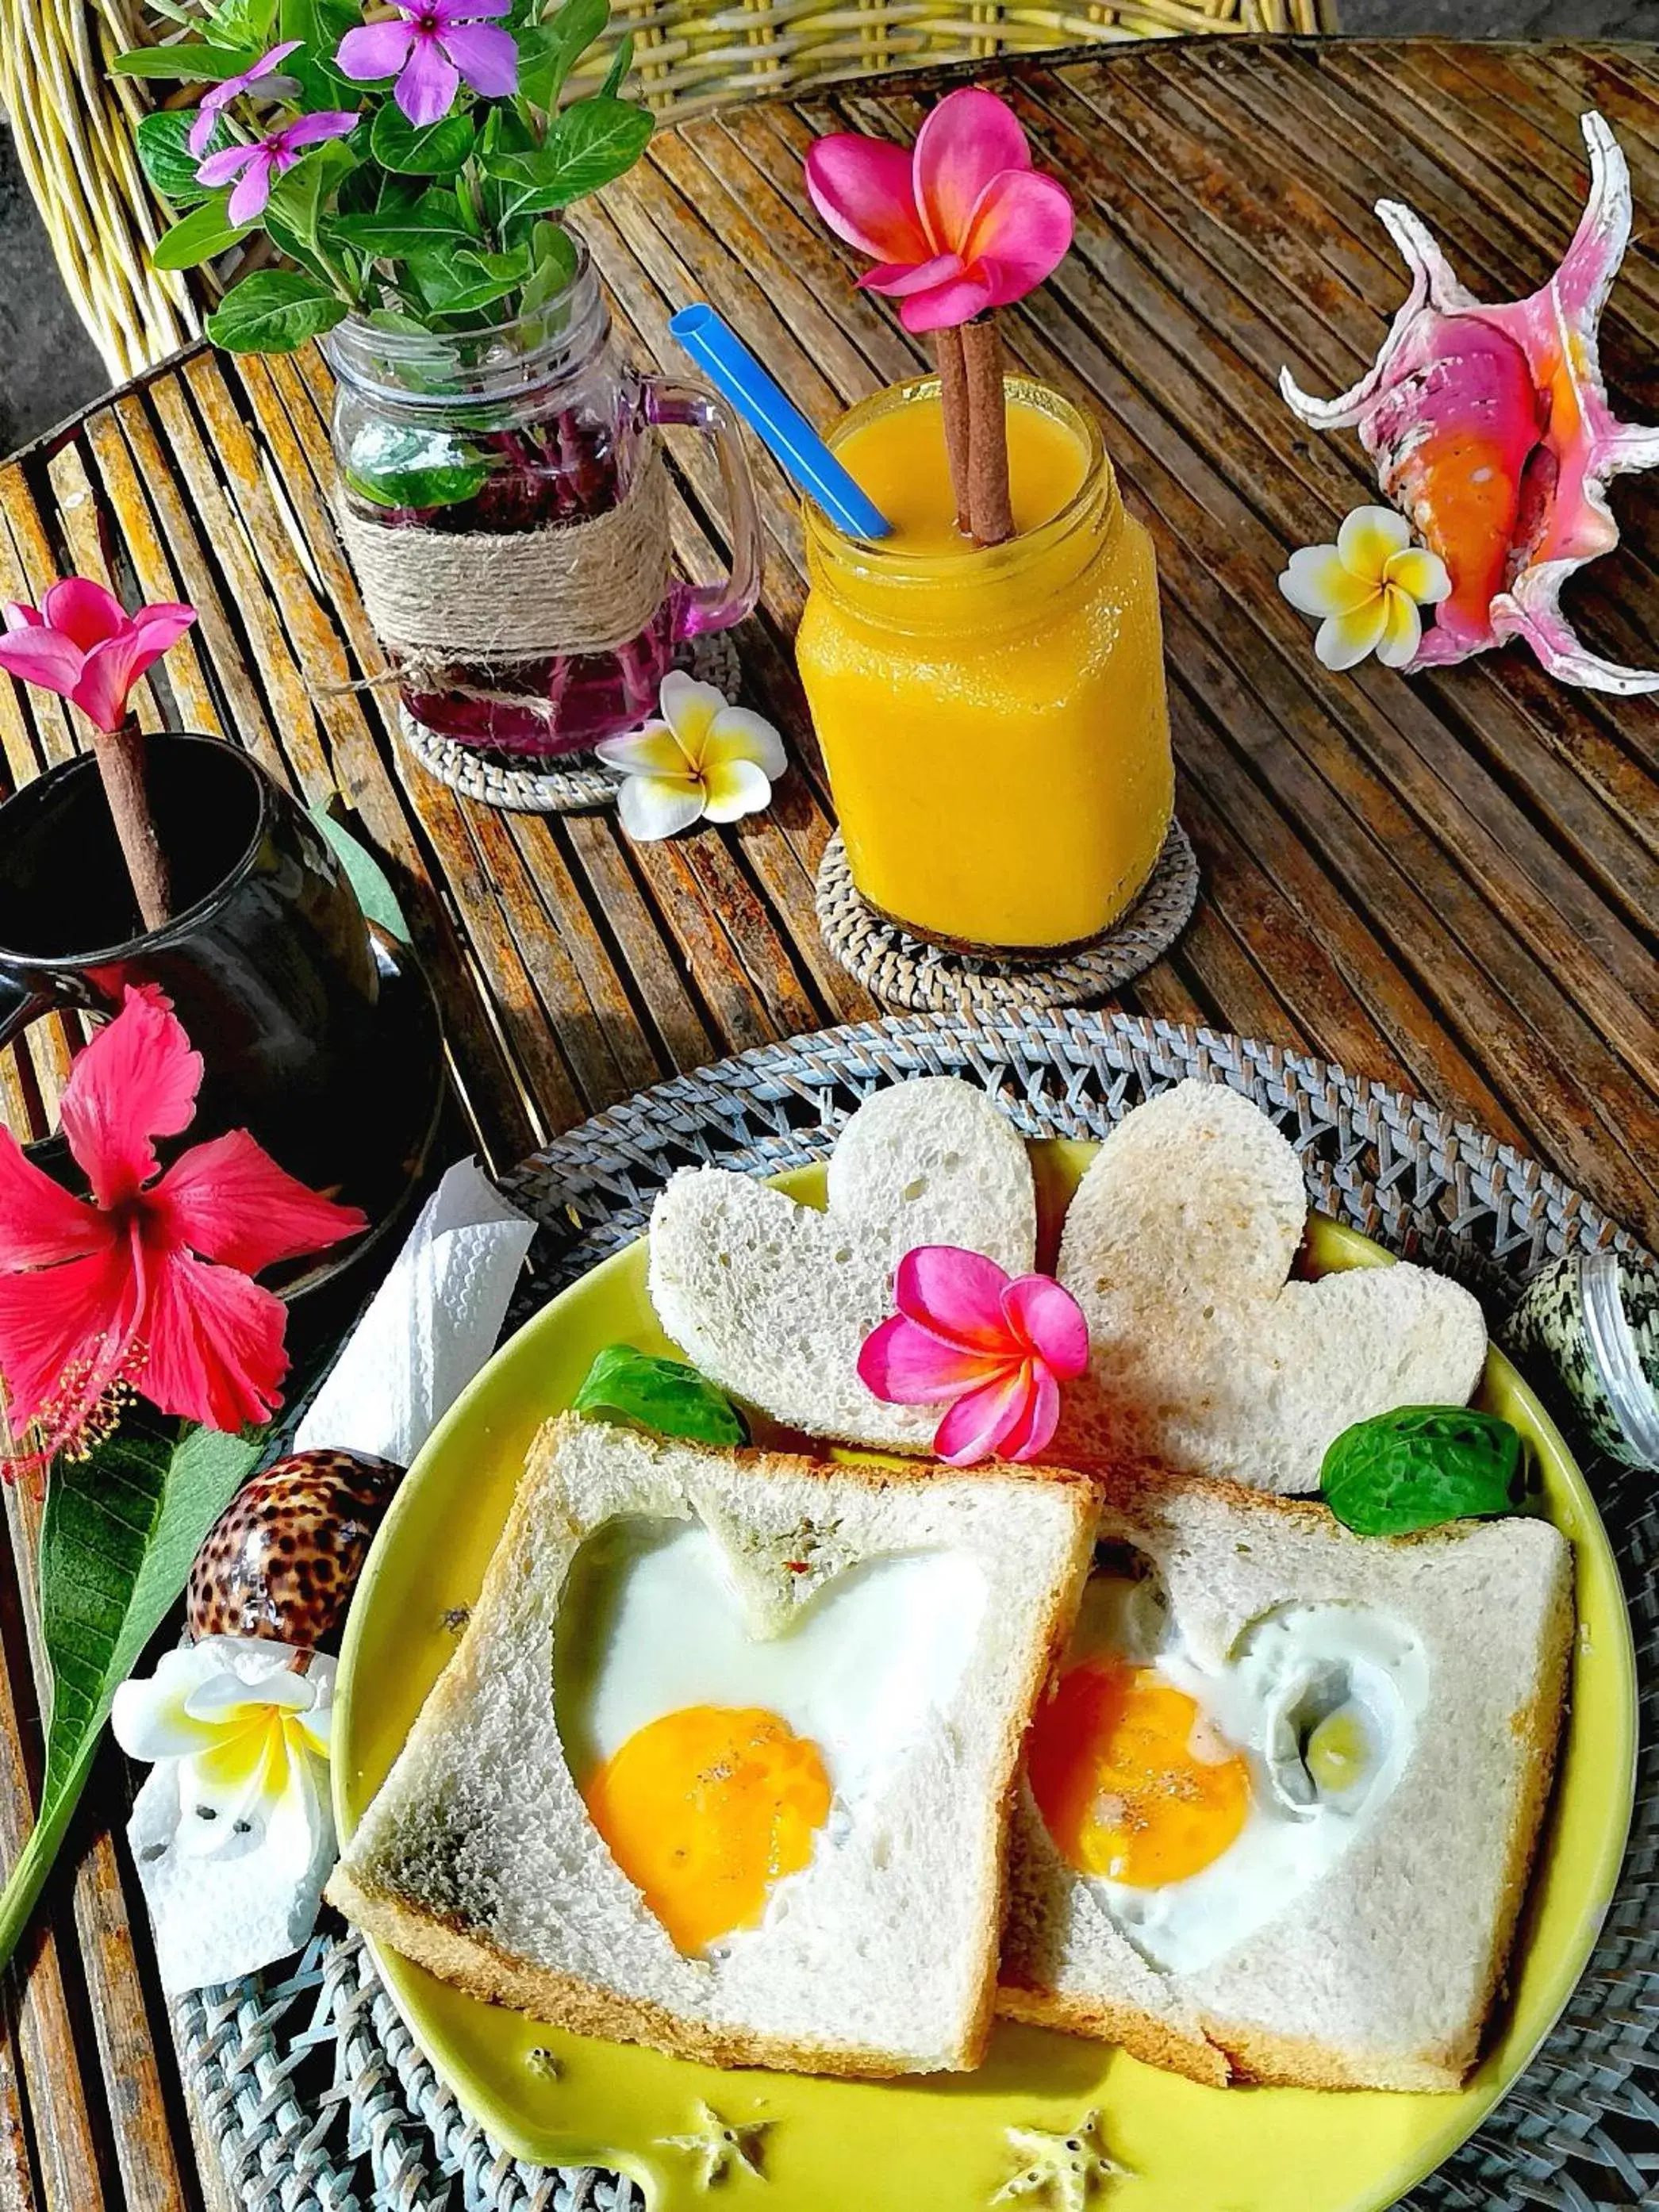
pixel 214 1343
pixel 862 188
pixel 956 1297
pixel 1039 1418
pixel 970 137
pixel 374 51
pixel 1049 1321
pixel 979 1422
pixel 903 1366
pixel 41 1222
pixel 947 306
pixel 135 1080
pixel 229 1200
pixel 426 90
pixel 1020 232
pixel 55 1319
pixel 83 613
pixel 487 57
pixel 42 657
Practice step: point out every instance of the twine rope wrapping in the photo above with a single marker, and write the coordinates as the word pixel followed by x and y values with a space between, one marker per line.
pixel 499 600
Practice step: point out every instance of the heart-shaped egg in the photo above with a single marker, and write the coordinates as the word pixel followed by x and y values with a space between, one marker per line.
pixel 715 1758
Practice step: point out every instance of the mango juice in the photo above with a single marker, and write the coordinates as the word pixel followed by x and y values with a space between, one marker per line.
pixel 992 720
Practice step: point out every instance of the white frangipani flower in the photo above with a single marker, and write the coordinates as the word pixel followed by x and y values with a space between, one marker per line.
pixel 1367 587
pixel 704 760
pixel 246 1735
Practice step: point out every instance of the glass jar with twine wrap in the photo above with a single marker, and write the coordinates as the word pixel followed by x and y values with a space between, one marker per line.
pixel 505 501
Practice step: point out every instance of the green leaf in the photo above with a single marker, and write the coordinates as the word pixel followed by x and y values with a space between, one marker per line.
pixel 405 464
pixel 589 144
pixel 299 199
pixel 366 877
pixel 416 229
pixel 439 150
pixel 1423 1465
pixel 122 1528
pixel 549 52
pixel 621 62
pixel 245 23
pixel 167 160
pixel 553 258
pixel 189 60
pixel 273 311
pixel 457 282
pixel 198 236
pixel 665 1396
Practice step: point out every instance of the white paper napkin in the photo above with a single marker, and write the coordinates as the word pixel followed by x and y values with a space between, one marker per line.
pixel 430 1328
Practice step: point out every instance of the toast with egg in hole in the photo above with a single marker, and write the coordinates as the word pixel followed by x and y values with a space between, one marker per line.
pixel 1277 1808
pixel 724 1759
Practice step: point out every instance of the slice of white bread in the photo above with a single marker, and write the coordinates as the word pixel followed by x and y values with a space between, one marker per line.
pixel 772 1300
pixel 477 1857
pixel 1203 1357
pixel 1381 1971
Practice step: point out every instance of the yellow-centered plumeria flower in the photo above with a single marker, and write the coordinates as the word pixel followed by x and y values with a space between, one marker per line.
pixel 247 1732
pixel 704 760
pixel 1368 588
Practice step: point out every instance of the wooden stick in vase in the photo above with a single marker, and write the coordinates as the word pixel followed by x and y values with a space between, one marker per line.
pixel 953 401
pixel 120 757
pixel 990 514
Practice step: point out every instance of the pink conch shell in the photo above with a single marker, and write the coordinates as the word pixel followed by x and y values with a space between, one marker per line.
pixel 1491 431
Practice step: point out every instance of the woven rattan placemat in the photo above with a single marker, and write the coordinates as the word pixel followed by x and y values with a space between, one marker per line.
pixel 308 2080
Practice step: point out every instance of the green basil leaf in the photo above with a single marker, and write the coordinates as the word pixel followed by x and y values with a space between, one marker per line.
pixel 621 62
pixel 274 311
pixel 665 1396
pixel 549 53
pixel 165 158
pixel 439 150
pixel 1423 1465
pixel 366 876
pixel 121 1529
pixel 190 60
pixel 404 464
pixel 198 236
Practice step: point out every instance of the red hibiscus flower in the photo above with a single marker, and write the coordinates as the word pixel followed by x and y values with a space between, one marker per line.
pixel 147 1285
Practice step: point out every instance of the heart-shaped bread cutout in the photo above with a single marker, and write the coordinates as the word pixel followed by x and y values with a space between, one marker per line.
pixel 1204 1356
pixel 713 1749
pixel 772 1300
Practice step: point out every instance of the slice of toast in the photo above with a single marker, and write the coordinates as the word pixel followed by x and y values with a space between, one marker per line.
pixel 479 1858
pixel 1379 1968
pixel 1203 1357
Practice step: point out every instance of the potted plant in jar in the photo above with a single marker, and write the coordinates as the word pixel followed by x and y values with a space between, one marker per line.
pixel 502 487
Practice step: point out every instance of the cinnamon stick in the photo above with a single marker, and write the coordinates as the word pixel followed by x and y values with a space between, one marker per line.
pixel 953 400
pixel 990 515
pixel 120 757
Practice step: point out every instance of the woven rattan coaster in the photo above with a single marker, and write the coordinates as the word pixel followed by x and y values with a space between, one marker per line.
pixel 571 784
pixel 905 971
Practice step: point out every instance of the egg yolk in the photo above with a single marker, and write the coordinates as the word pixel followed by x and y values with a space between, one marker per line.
pixel 1127 1784
pixel 704 1810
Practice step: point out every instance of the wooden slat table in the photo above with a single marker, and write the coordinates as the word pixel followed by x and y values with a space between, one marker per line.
pixel 1451 884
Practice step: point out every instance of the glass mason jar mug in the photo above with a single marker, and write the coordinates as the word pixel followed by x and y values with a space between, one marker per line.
pixel 504 498
pixel 994 719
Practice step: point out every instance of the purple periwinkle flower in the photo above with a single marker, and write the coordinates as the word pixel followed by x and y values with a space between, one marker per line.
pixel 429 47
pixel 259 165
pixel 255 79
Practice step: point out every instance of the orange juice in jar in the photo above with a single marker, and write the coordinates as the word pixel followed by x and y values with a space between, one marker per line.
pixel 992 720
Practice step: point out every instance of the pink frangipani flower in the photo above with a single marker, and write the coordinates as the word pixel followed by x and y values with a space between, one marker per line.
pixel 429 47
pixel 992 1349
pixel 83 645
pixel 259 165
pixel 961 224
pixel 148 1283
pixel 256 80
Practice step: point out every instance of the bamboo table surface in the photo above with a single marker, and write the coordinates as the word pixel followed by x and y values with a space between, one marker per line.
pixel 1450 883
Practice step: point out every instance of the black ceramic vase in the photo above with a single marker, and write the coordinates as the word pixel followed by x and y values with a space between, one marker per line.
pixel 316 1033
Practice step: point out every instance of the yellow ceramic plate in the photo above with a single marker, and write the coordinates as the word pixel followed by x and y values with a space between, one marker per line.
pixel 941 2144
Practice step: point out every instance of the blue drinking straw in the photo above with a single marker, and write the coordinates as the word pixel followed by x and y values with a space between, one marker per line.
pixel 777 422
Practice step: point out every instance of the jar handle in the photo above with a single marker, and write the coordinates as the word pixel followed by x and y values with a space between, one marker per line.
pixel 692 406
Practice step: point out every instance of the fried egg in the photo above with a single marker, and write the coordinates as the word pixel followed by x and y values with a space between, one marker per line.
pixel 717 1761
pixel 1202 1799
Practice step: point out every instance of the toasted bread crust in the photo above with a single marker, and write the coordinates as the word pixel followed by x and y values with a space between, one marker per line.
pixel 1142 2034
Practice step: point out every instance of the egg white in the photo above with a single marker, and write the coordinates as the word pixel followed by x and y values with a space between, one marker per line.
pixel 1283 1847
